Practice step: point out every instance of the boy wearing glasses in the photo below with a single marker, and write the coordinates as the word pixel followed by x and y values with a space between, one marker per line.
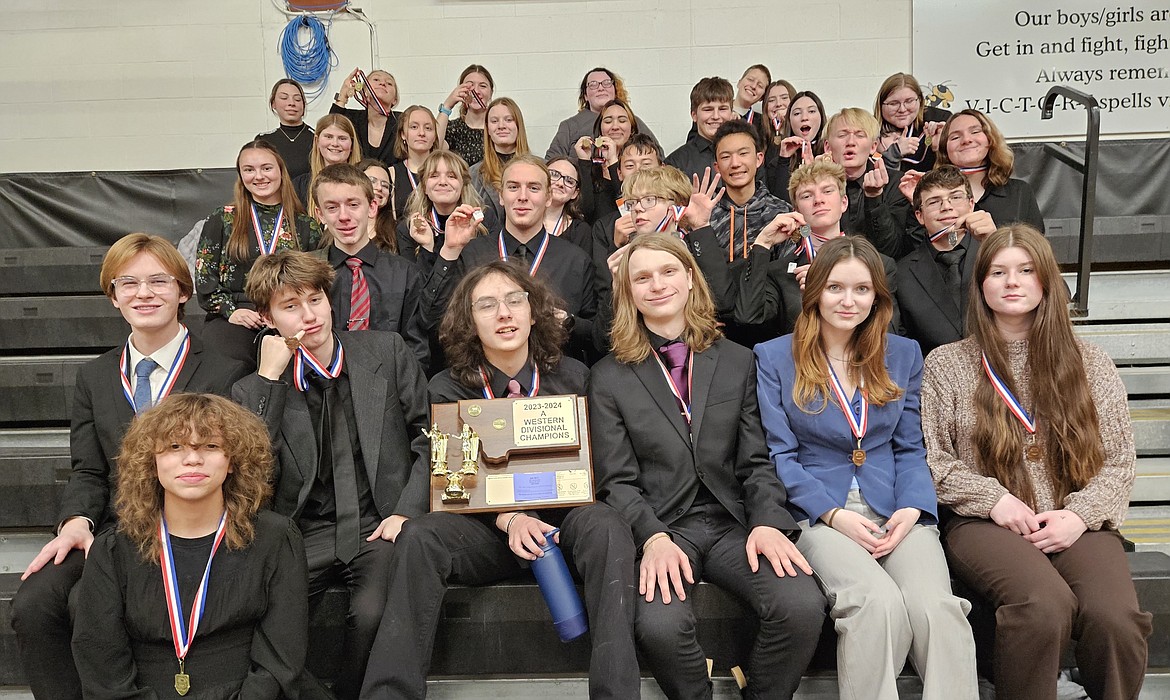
pixel 935 276
pixel 346 413
pixel 372 289
pixel 502 339
pixel 148 282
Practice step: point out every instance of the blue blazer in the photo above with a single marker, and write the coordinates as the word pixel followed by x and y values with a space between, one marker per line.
pixel 812 451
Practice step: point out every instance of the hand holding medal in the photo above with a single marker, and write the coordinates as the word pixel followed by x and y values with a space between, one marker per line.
pixel 275 354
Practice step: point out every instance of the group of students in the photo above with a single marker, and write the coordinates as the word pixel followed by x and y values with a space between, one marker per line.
pixel 806 480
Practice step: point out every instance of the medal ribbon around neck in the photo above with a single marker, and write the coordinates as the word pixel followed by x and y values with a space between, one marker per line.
pixel 410 176
pixel 949 231
pixel 673 215
pixel 684 406
pixel 560 226
pixel 858 422
pixel 361 98
pixel 1009 398
pixel 269 247
pixel 777 122
pixel 172 373
pixel 536 260
pixel 184 634
pixel 909 158
pixel 973 169
pixel 751 116
pixel 434 222
pixel 304 357
pixel 731 238
pixel 487 385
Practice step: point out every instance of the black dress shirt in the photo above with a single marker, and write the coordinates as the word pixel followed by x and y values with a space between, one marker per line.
pixel 693 156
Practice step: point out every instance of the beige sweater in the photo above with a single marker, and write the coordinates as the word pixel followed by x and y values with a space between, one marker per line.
pixel 948 419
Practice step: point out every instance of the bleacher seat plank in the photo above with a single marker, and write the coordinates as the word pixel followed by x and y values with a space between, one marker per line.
pixel 38 389
pixel 49 271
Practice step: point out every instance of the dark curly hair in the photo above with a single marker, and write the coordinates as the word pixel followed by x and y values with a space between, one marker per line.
pixel 458 335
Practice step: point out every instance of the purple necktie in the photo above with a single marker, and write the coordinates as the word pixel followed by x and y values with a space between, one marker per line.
pixel 514 389
pixel 675 355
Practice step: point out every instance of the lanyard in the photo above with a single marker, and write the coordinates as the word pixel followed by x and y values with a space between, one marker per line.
pixel 361 98
pixel 684 406
pixel 560 226
pixel 410 176
pixel 172 373
pixel 184 633
pixel 858 422
pixel 973 169
pixel 673 215
pixel 304 357
pixel 1009 398
pixel 487 385
pixel 267 248
pixel 535 261
pixel 731 235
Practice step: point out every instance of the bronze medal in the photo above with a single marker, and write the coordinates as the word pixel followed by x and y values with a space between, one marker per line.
pixel 1033 452
pixel 182 683
pixel 292 343
pixel 858 457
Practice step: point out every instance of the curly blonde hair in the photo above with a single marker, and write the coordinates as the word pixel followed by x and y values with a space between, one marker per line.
pixel 139 500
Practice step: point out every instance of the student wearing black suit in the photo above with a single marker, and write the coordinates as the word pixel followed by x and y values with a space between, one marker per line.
pixel 679 451
pixel 345 412
pixel 935 278
pixel 502 339
pixel 347 210
pixel 148 282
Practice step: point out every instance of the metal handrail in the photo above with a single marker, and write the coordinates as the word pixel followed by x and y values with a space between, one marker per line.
pixel 1087 166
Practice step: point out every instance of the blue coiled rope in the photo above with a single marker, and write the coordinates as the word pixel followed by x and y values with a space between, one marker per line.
pixel 307 60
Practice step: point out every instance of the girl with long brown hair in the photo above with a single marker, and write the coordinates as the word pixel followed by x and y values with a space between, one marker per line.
pixel 909 127
pixel 504 138
pixel 193 474
pixel 335 142
pixel 1029 441
pixel 839 404
pixel 265 216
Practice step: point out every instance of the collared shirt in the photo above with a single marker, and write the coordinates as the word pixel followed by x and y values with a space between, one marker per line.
pixel 693 156
pixel 499 380
pixel 164 357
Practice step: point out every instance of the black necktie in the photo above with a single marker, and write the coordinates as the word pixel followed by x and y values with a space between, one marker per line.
pixel 522 253
pixel 952 263
pixel 337 457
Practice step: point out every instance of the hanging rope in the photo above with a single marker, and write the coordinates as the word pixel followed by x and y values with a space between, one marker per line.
pixel 307 60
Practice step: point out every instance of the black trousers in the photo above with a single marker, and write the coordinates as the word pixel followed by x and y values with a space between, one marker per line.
pixel 365 577
pixel 791 611
pixel 230 340
pixel 439 549
pixel 43 620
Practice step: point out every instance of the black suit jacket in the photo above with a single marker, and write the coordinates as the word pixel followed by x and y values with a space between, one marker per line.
pixel 648 465
pixel 930 314
pixel 101 415
pixel 389 394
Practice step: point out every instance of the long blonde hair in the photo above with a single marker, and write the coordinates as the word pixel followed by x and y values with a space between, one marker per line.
pixel 419 203
pixel 317 161
pixel 866 351
pixel 628 334
pixel 1062 404
pixel 491 168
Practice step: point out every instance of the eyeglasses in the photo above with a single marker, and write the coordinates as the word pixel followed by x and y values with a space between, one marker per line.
pixel 557 176
pixel 595 84
pixel 954 199
pixel 908 104
pixel 379 184
pixel 647 203
pixel 485 306
pixel 130 285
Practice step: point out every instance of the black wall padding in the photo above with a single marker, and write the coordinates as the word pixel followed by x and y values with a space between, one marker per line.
pixel 51 210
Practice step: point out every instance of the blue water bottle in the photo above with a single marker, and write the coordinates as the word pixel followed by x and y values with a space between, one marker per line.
pixel 559 591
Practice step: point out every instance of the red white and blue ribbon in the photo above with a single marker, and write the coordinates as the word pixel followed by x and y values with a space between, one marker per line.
pixel 361 98
pixel 184 633
pixel 487 384
pixel 1009 398
pixel 750 116
pixel 684 406
pixel 777 122
pixel 973 169
pixel 267 248
pixel 303 357
pixel 674 215
pixel 807 246
pixel 172 374
pixel 560 226
pixel 410 176
pixel 942 232
pixel 536 260
pixel 858 422
pixel 435 222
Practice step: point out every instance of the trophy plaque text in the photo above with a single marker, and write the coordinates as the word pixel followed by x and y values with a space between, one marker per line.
pixel 510 454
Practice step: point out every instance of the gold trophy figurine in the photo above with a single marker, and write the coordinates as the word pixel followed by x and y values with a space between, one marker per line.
pixel 470 450
pixel 438 450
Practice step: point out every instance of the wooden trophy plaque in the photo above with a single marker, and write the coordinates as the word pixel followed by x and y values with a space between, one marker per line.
pixel 495 455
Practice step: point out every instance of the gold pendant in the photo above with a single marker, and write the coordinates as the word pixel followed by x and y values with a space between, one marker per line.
pixel 858 457
pixel 182 683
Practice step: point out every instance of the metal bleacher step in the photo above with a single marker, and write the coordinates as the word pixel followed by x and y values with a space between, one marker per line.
pixel 1144 381
pixel 1131 343
pixel 34 271
pixel 1148 527
pixel 38 389
pixel 1137 295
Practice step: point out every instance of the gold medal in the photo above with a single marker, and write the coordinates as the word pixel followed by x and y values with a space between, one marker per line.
pixel 182 681
pixel 858 457
pixel 1033 452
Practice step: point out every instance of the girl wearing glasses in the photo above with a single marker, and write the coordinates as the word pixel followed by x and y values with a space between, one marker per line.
pixel 599 87
pixel 265 216
pixel 909 128
pixel 563 218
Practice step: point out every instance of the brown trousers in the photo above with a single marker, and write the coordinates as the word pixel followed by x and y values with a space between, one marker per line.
pixel 1042 601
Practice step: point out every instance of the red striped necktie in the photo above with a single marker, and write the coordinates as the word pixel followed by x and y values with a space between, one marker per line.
pixel 359 298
